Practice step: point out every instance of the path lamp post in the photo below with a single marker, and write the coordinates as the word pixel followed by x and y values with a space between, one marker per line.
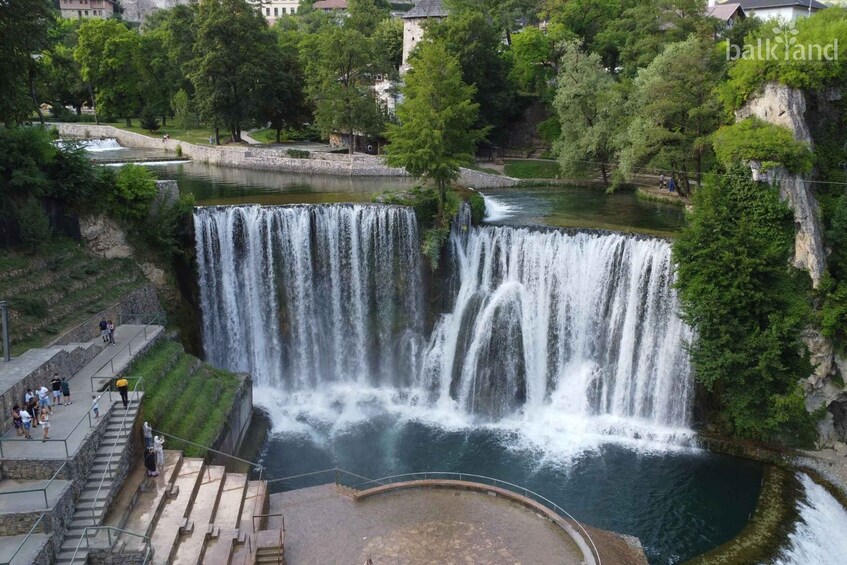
pixel 4 318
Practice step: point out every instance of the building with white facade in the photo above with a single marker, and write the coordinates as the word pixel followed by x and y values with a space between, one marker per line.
pixel 82 9
pixel 785 10
pixel 275 9
pixel 413 25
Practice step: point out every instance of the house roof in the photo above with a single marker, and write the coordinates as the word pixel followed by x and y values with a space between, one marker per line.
pixel 427 9
pixel 330 5
pixel 725 11
pixel 765 4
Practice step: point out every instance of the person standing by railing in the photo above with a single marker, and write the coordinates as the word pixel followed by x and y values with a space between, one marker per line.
pixel 123 388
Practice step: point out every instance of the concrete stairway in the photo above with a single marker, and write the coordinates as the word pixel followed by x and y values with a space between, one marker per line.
pixel 90 507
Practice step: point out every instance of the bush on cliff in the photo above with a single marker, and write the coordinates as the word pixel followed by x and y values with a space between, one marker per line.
pixel 747 306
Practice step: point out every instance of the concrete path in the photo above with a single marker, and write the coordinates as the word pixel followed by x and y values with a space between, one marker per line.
pixel 25 555
pixel 29 501
pixel 69 425
pixel 250 141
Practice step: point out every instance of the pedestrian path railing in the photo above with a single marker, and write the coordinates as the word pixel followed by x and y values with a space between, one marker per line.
pixel 116 533
pixel 123 427
pixel 21 545
pixel 151 321
pixel 257 467
pixel 42 489
pixel 8 440
pixel 357 482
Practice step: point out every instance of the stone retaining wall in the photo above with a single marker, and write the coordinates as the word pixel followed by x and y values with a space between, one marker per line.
pixel 64 362
pixel 56 518
pixel 143 301
pixel 272 159
pixel 237 420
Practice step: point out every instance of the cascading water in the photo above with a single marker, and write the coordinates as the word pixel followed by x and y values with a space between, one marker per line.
pixel 818 536
pixel 97 145
pixel 568 337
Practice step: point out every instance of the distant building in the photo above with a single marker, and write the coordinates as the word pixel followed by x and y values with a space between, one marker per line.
pixel 81 9
pixel 275 9
pixel 785 10
pixel 413 25
pixel 330 5
pixel 729 14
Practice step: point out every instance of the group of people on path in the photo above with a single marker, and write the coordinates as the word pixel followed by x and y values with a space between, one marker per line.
pixel 107 331
pixel 670 183
pixel 37 407
pixel 154 451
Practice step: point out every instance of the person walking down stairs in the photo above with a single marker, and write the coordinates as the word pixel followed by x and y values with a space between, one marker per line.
pixel 123 388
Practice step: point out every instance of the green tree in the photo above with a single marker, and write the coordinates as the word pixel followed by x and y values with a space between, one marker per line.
pixel 594 22
pixel 588 100
pixel 338 70
pixel 24 26
pixel 388 45
pixel 135 190
pixel 365 15
pixel 755 140
pixel 674 112
pixel 536 55
pixel 477 44
pixel 507 16
pixel 436 133
pixel 231 39
pixel 33 223
pixel 148 119
pixel 280 98
pixel 181 109
pixel 746 306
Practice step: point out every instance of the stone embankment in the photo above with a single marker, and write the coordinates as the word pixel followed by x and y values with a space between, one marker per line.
pixel 270 158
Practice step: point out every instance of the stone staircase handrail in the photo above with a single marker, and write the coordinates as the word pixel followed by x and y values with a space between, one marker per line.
pixel 23 542
pixel 110 472
pixel 151 322
pixel 277 515
pixel 40 489
pixel 109 530
pixel 253 464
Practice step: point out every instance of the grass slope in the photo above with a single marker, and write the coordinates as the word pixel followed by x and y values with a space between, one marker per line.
pixel 183 396
pixel 521 169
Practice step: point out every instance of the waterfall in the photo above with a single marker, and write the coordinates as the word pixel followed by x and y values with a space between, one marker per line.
pixel 818 536
pixel 558 330
pixel 96 145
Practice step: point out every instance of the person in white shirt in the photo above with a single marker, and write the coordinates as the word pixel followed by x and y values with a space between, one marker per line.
pixel 27 420
pixel 44 399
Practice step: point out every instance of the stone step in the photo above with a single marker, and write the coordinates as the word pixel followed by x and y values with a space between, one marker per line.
pixel 90 492
pixel 231 501
pixel 220 549
pixel 166 530
pixel 201 513
pixel 68 558
pixel 254 503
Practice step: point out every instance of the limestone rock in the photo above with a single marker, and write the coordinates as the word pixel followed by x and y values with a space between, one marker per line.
pixel 782 106
pixel 104 237
pixel 822 356
pixel 840 449
pixel 154 274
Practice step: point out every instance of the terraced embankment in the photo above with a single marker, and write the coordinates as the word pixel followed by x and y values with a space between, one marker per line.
pixel 53 290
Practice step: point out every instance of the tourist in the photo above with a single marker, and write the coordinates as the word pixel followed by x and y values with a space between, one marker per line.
pixel 17 420
pixel 66 390
pixel 95 406
pixel 148 435
pixel 111 331
pixel 123 388
pixel 672 185
pixel 45 425
pixel 104 330
pixel 28 396
pixel 32 408
pixel 44 400
pixel 26 420
pixel 56 382
pixel 150 463
pixel 661 181
pixel 211 140
pixel 159 450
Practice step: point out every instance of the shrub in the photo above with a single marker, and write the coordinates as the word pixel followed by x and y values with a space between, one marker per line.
pixel 477 204
pixel 30 306
pixel 134 191
pixel 298 153
pixel 33 223
pixel 755 140
pixel 148 119
pixel 179 150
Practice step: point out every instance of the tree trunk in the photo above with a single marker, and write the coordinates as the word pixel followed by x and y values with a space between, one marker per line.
pixel 93 107
pixel 352 142
pixel 35 98
pixel 217 135
pixel 164 121
pixel 128 122
pixel 605 174
pixel 279 135
pixel 78 109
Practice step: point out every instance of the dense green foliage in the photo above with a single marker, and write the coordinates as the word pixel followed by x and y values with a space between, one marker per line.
pixel 436 133
pixel 747 307
pixel 755 140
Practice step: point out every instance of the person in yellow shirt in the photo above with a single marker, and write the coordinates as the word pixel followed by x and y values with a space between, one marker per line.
pixel 123 388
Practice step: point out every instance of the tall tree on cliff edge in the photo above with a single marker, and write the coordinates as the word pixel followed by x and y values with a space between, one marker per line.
pixel 436 133
pixel 229 62
pixel 24 26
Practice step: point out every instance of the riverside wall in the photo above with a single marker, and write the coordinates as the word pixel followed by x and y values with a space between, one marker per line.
pixel 270 158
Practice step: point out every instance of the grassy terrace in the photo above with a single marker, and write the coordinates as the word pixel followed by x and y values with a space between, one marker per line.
pixel 184 396
pixel 197 136
pixel 521 169
pixel 59 287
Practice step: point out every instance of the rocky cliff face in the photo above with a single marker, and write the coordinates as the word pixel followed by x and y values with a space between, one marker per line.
pixel 784 106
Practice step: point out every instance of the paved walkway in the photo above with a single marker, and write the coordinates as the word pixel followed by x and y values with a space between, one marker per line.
pixel 29 501
pixel 69 425
pixel 416 526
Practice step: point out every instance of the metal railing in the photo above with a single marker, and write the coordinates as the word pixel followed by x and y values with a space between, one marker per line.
pixel 109 529
pixel 256 466
pixel 505 485
pixel 111 362
pixel 94 319
pixel 109 472
pixel 23 542
pixel 51 440
pixel 43 489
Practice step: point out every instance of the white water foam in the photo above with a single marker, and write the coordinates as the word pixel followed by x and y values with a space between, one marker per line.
pixel 820 537
pixel 496 210
pixel 148 163
pixel 97 145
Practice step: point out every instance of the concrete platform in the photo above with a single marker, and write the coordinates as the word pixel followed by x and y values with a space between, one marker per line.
pixel 12 502
pixel 416 526
pixel 27 554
